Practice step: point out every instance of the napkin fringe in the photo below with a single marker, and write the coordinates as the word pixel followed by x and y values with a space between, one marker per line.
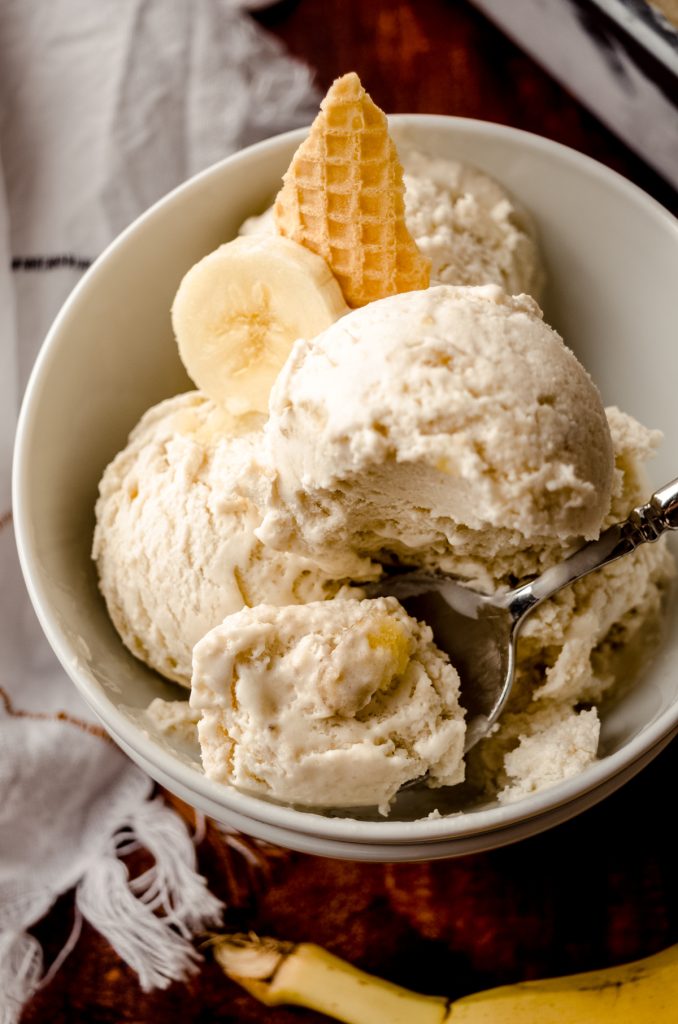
pixel 149 920
pixel 20 970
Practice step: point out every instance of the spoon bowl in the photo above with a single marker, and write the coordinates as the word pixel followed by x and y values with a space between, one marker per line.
pixel 476 631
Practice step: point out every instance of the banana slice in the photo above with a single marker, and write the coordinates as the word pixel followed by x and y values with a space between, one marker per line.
pixel 239 310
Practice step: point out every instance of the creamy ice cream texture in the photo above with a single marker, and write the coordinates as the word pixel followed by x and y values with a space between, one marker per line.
pixel 473 231
pixel 334 703
pixel 573 651
pixel 177 549
pixel 424 423
pixel 578 646
pixel 448 428
pixel 174 542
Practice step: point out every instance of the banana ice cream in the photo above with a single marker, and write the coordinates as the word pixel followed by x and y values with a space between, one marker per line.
pixel 431 426
pixel 174 541
pixel 473 231
pixel 577 647
pixel 335 703
pixel 446 427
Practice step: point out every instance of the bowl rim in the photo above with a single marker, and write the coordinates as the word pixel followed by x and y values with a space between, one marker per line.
pixel 423 830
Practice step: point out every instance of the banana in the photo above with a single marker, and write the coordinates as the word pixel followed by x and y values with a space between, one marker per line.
pixel 238 311
pixel 643 992
pixel 279 973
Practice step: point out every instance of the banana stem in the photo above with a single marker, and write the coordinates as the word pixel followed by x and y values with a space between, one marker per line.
pixel 643 992
pixel 307 975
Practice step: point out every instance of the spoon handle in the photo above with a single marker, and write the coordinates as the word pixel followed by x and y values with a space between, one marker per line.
pixel 644 525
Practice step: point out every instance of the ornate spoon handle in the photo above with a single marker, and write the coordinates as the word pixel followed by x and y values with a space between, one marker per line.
pixel 644 525
pixel 648 522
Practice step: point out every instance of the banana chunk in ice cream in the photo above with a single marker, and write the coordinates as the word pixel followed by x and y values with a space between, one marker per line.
pixel 329 704
pixel 431 417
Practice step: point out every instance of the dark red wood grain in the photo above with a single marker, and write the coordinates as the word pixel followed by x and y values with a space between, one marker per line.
pixel 444 57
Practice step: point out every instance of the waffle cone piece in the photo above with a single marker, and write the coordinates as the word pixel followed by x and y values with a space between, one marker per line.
pixel 343 197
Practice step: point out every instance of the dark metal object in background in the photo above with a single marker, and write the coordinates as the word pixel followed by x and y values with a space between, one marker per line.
pixel 619 57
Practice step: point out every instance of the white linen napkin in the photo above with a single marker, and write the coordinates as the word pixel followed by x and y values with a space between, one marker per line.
pixel 104 107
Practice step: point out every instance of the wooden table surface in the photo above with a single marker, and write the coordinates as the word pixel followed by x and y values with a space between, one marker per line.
pixel 597 890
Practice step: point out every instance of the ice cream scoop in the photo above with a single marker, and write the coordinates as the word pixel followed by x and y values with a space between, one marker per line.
pixel 473 231
pixel 334 703
pixel 174 542
pixel 433 421
pixel 479 632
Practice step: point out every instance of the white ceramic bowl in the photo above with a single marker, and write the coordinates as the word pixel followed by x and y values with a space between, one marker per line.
pixel 611 254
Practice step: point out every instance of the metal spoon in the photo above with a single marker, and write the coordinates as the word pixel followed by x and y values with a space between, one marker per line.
pixel 479 632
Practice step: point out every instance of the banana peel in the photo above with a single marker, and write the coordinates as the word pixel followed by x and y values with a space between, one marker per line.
pixel 304 974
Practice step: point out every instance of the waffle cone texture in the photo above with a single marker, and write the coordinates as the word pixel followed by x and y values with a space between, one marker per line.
pixel 343 197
